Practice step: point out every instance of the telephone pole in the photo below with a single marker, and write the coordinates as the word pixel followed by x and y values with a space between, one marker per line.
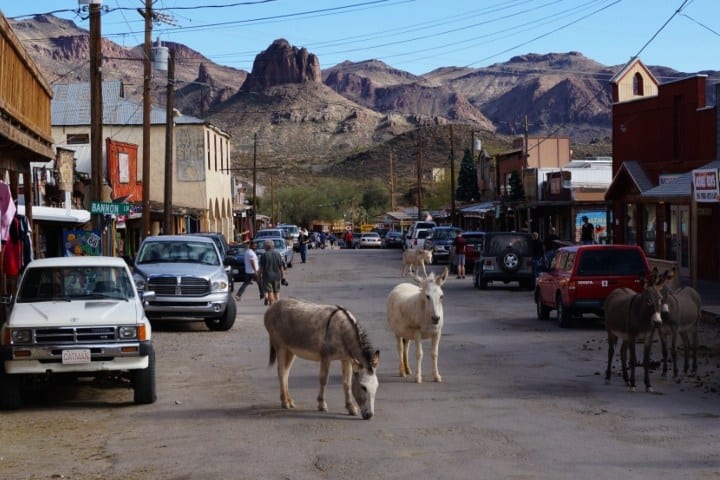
pixel 419 175
pixel 169 145
pixel 452 177
pixel 96 109
pixel 147 85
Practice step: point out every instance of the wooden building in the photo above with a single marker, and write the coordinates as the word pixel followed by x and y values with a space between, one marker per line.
pixel 661 132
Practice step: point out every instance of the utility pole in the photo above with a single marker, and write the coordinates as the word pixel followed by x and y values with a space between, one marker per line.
pixel 392 183
pixel 419 175
pixel 452 177
pixel 147 85
pixel 254 204
pixel 169 145
pixel 96 109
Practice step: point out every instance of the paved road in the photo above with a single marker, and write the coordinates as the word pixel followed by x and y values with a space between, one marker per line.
pixel 520 398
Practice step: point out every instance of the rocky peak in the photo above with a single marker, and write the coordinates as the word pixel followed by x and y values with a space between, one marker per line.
pixel 281 63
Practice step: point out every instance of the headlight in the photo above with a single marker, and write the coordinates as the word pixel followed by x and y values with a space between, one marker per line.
pixel 219 284
pixel 127 333
pixel 139 282
pixel 22 335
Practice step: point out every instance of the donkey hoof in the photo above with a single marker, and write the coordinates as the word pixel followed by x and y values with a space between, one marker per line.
pixel 352 411
pixel 632 388
pixel 322 407
pixel 649 390
pixel 418 379
pixel 438 378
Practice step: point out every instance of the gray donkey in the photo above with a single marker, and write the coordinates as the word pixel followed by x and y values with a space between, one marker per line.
pixel 632 316
pixel 682 318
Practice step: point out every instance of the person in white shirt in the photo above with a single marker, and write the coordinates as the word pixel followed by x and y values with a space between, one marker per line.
pixel 250 260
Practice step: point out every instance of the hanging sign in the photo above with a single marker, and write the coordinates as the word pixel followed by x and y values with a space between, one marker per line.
pixel 705 185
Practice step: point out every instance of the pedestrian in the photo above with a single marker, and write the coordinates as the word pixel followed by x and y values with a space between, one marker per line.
pixel 459 247
pixel 272 273
pixel 250 261
pixel 322 240
pixel 303 244
pixel 348 239
pixel 587 233
pixel 538 251
pixel 550 246
pixel 331 239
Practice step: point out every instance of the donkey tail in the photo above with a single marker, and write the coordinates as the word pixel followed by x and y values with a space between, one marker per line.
pixel 273 355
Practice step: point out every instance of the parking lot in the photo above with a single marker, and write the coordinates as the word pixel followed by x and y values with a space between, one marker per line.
pixel 520 398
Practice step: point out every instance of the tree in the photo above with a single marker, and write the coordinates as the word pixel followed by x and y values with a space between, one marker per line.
pixel 467 189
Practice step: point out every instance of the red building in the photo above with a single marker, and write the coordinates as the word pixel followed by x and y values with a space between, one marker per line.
pixel 661 132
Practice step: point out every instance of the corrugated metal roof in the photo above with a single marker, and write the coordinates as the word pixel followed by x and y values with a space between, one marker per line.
pixel 637 174
pixel 71 106
pixel 680 187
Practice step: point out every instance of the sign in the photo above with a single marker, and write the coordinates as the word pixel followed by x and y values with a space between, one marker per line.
pixel 82 242
pixel 110 208
pixel 598 219
pixel 705 185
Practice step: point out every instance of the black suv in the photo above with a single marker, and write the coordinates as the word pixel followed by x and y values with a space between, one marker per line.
pixel 505 257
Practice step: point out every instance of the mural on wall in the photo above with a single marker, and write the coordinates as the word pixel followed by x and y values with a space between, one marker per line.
pixel 599 221
pixel 80 243
pixel 189 155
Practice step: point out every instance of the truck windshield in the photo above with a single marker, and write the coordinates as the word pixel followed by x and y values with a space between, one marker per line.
pixel 69 283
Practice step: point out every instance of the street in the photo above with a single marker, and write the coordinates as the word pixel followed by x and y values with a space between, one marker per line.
pixel 520 398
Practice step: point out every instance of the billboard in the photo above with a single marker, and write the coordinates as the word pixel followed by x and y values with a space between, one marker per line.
pixel 598 219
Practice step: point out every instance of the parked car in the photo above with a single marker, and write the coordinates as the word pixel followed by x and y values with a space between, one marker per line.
pixel 440 242
pixel 188 278
pixel 281 245
pixel 505 257
pixel 291 232
pixel 369 240
pixel 269 232
pixel 79 317
pixel 472 251
pixel 235 259
pixel 580 277
pixel 393 240
pixel 416 240
pixel 410 232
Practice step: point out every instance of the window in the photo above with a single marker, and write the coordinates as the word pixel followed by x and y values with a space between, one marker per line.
pixel 638 87
pixel 77 138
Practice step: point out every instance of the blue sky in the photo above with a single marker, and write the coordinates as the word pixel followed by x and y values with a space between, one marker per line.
pixel 421 35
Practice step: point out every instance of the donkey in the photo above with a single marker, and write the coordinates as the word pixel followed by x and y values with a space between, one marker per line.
pixel 413 259
pixel 323 333
pixel 632 316
pixel 415 312
pixel 682 318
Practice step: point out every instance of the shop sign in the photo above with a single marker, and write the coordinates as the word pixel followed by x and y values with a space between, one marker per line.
pixel 705 185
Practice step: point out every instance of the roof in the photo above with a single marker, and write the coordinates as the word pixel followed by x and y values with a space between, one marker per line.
pixel 71 106
pixel 634 171
pixel 54 214
pixel 479 207
pixel 680 187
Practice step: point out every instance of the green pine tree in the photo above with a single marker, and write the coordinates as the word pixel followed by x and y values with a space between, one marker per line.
pixel 467 189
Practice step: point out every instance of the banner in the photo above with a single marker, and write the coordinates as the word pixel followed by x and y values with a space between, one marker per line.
pixel 705 185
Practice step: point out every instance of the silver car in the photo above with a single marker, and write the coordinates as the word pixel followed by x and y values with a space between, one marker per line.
pixel 187 275
pixel 281 245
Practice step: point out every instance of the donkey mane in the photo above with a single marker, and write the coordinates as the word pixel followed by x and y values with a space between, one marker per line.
pixel 365 346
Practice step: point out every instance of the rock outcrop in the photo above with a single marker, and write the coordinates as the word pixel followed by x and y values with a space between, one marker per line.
pixel 281 64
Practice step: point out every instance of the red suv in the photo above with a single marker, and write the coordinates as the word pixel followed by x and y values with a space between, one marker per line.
pixel 582 276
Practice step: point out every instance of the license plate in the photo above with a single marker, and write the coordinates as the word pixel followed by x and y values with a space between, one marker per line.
pixel 76 356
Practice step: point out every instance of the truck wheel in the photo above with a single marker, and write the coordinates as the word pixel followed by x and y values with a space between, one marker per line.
pixel 543 311
pixel 10 398
pixel 143 382
pixel 227 320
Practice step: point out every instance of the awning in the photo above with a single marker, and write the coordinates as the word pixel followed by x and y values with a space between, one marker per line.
pixel 54 214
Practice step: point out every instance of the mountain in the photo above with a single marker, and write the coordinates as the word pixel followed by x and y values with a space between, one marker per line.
pixel 348 119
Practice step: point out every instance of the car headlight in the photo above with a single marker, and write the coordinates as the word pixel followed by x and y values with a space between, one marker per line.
pixel 127 332
pixel 139 282
pixel 21 335
pixel 219 284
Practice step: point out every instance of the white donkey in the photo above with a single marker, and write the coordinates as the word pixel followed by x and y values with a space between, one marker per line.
pixel 413 259
pixel 415 312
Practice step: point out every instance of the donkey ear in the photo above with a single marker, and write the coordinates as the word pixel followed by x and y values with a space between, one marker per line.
pixel 375 359
pixel 443 276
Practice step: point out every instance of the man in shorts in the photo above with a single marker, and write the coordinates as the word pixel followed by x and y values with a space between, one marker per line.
pixel 459 246
pixel 272 273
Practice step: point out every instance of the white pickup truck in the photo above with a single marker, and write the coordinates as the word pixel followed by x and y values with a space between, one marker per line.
pixel 79 317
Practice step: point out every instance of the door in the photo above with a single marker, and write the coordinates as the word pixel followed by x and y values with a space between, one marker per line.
pixel 679 237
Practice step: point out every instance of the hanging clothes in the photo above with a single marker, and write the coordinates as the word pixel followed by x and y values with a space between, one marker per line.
pixel 12 250
pixel 25 233
pixel 7 210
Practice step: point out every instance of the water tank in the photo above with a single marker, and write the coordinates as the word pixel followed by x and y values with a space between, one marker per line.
pixel 160 55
